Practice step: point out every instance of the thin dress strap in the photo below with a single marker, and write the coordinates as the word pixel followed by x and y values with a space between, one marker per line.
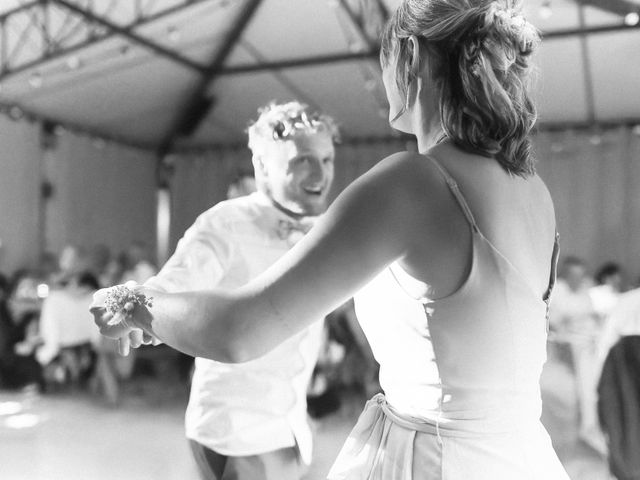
pixel 552 275
pixel 455 190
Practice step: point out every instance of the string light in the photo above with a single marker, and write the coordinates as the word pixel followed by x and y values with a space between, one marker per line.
pixel 99 143
pixel 15 113
pixel 557 147
pixel 632 19
pixel 74 62
pixel 356 47
pixel 545 11
pixel 173 34
pixel 35 80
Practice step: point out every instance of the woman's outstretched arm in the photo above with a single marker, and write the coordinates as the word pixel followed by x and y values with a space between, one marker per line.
pixel 371 224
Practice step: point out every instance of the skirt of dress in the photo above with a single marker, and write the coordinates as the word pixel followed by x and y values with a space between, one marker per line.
pixel 387 446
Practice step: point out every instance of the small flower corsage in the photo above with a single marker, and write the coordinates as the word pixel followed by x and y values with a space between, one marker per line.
pixel 121 299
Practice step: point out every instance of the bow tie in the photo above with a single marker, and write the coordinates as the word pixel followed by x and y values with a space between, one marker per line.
pixel 293 230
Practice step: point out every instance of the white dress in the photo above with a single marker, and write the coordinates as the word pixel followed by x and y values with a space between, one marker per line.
pixel 460 375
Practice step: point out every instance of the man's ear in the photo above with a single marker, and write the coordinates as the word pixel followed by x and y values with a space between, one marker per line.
pixel 259 165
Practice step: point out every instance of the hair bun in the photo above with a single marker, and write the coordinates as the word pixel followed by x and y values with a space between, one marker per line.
pixel 514 26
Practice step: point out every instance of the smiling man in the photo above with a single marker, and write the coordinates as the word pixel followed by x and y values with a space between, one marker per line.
pixel 248 421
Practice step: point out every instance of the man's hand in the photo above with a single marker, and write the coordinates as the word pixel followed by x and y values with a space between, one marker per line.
pixel 118 326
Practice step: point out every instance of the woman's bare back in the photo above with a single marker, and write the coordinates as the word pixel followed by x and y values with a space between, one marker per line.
pixel 515 214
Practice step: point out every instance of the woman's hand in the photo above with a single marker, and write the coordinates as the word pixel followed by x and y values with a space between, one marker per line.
pixel 129 324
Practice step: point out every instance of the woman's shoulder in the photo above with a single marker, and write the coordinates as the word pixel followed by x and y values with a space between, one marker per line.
pixel 404 170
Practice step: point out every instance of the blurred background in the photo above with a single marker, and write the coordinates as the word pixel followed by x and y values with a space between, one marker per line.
pixel 122 120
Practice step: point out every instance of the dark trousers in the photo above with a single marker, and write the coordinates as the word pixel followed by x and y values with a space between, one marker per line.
pixel 280 464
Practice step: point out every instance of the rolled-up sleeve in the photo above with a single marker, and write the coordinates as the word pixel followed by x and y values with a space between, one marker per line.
pixel 201 258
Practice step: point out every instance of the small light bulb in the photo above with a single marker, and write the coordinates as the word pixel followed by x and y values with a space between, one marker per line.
pixel 545 11
pixel 15 113
pixel 631 19
pixel 42 290
pixel 35 80
pixel 173 34
pixel 356 47
pixel 74 62
pixel 370 85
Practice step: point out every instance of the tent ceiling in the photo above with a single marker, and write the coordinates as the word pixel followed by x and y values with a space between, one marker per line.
pixel 142 71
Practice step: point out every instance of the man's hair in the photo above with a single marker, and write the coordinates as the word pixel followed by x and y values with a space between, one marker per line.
pixel 278 122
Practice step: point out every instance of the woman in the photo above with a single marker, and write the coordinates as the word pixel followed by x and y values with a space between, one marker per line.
pixel 451 250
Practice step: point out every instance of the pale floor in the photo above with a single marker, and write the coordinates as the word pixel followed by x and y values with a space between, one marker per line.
pixel 66 436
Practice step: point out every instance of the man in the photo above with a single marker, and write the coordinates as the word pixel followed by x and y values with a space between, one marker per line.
pixel 248 421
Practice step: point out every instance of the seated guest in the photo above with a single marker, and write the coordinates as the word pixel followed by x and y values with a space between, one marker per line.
pixel 18 327
pixel 66 331
pixel 7 331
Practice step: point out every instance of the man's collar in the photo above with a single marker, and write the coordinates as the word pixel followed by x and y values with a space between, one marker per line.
pixel 282 213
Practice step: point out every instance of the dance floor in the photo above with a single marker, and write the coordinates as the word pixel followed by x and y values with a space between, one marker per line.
pixel 77 436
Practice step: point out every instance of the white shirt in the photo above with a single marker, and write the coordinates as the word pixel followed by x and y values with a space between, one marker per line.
pixel 623 320
pixel 572 314
pixel 604 299
pixel 65 321
pixel 257 406
pixel 140 273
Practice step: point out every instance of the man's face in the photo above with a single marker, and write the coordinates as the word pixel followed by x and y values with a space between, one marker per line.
pixel 298 171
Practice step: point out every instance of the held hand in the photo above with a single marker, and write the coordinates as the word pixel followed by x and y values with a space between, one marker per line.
pixel 123 324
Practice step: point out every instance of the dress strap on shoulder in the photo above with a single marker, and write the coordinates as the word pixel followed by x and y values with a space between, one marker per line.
pixel 455 190
pixel 554 267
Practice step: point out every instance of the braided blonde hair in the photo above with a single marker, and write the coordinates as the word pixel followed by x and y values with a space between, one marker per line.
pixel 479 57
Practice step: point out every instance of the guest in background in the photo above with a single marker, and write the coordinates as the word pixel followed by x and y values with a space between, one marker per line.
pixel 7 333
pixel 114 270
pixel 98 260
pixel 139 267
pixel 576 324
pixel 19 333
pixel 71 262
pixel 66 331
pixel 609 284
pixel 619 385
pixel 623 320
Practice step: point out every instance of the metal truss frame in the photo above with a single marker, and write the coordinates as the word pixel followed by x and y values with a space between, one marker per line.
pixel 39 41
pixel 198 104
pixel 619 7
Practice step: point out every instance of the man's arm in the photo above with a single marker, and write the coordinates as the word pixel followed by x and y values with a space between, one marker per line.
pixel 201 258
